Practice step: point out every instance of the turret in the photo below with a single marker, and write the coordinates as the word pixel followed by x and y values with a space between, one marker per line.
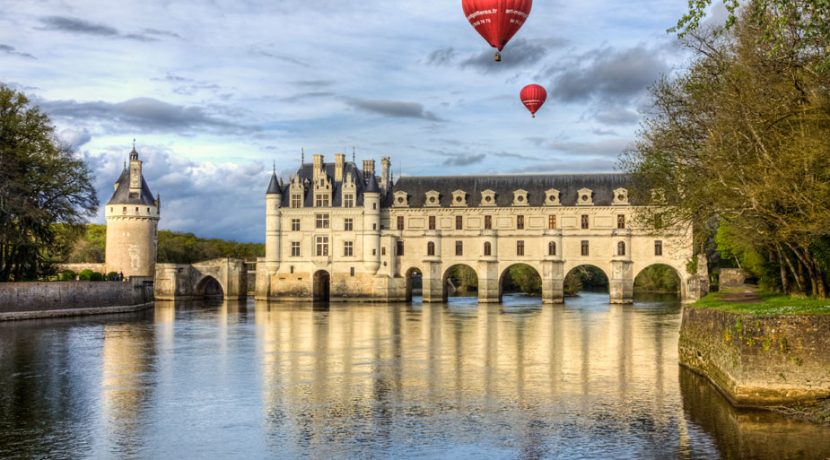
pixel 371 223
pixel 273 218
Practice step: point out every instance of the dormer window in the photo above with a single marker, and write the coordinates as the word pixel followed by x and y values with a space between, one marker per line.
pixel 620 196
pixel 552 197
pixel 488 198
pixel 433 199
pixel 459 198
pixel 296 200
pixel 520 198
pixel 401 200
pixel 585 197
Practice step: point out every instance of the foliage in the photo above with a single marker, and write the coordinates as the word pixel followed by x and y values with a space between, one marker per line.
pixel 173 247
pixel 67 275
pixel 522 278
pixel 42 184
pixel 90 275
pixel 657 279
pixel 584 277
pixel 766 304
pixel 743 139
pixel 463 278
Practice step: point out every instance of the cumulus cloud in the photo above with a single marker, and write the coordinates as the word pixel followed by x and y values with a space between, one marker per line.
pixel 395 109
pixel 10 50
pixel 145 114
pixel 74 138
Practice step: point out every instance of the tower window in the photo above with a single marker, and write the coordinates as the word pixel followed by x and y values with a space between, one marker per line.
pixel 459 248
pixel 584 221
pixel 520 248
pixel 621 248
pixel 488 249
pixel 351 271
pixel 584 247
pixel 552 248
pixel 374 206
pixel 430 248
pixel 658 248
pixel 520 222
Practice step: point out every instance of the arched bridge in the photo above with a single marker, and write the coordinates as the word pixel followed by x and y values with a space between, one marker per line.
pixel 225 278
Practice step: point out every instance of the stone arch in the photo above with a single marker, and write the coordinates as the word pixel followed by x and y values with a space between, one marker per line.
pixel 593 268
pixel 321 286
pixel 208 286
pixel 505 276
pixel 414 282
pixel 447 282
pixel 681 285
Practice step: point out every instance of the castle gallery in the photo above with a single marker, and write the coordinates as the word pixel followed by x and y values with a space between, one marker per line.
pixel 341 233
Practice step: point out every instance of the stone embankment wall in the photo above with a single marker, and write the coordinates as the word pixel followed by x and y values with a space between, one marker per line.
pixel 54 299
pixel 758 361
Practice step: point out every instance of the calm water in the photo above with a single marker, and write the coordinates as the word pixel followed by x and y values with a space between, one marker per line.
pixel 521 380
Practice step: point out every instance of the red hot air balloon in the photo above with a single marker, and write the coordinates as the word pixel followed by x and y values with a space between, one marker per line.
pixel 533 97
pixel 497 20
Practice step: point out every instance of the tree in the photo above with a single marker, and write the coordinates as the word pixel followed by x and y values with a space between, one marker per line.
pixel 42 183
pixel 743 139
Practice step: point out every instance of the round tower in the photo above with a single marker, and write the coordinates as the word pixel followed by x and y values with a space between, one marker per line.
pixel 273 224
pixel 132 216
pixel 371 222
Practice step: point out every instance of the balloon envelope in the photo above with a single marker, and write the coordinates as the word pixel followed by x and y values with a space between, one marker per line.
pixel 497 20
pixel 533 97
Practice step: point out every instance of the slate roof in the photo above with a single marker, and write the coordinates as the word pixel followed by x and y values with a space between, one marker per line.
pixel 306 173
pixel 602 185
pixel 122 193
pixel 274 185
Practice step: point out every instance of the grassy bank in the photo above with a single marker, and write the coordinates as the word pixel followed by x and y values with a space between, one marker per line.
pixel 750 301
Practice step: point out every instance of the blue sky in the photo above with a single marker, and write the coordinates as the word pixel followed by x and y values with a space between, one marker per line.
pixel 214 91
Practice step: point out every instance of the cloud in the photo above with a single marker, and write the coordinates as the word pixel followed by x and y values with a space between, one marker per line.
pixel 307 95
pixel 609 74
pixel 465 160
pixel 517 53
pixel 144 113
pixel 75 138
pixel 617 116
pixel 195 196
pixel 278 56
pixel 394 109
pixel 314 83
pixel 10 50
pixel 83 27
pixel 568 166
pixel 604 148
pixel 442 57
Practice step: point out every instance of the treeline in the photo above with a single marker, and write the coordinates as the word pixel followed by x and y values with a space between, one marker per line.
pixel 739 144
pixel 173 247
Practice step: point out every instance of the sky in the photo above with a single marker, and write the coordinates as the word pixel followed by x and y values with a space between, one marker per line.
pixel 217 92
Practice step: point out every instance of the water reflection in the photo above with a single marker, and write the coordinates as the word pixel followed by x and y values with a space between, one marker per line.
pixel 584 379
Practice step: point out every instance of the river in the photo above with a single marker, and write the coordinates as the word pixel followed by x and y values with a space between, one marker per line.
pixel 457 380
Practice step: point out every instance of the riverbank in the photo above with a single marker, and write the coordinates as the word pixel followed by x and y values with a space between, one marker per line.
pixel 35 300
pixel 761 350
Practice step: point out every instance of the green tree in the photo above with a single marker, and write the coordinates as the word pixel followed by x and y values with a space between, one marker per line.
pixel 42 183
pixel 743 138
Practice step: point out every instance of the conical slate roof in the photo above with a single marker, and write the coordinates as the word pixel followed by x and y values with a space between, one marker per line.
pixel 275 186
pixel 122 193
pixel 372 186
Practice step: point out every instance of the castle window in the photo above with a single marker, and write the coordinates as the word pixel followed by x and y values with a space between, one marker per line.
pixel 551 222
pixel 296 200
pixel 400 222
pixel 348 249
pixel 620 221
pixel 584 247
pixel 488 249
pixel 374 206
pixel 432 222
pixel 658 248
pixel 322 246
pixel 348 200
pixel 374 226
pixel 430 248
pixel 348 224
pixel 399 248
pixel 124 210
pixel 520 248
pixel 295 225
pixel 620 248
pixel 584 221
pixel 383 251
pixel 291 269
pixel 148 210
pixel 321 220
pixel 459 222
pixel 351 271
pixel 295 249
pixel 552 248
pixel 520 222
pixel 488 222
pixel 459 248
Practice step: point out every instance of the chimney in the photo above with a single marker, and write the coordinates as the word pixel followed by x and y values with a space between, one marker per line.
pixel 368 168
pixel 318 167
pixel 385 164
pixel 135 173
pixel 339 164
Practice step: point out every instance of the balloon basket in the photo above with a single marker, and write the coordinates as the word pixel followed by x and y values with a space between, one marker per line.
pixel 497 58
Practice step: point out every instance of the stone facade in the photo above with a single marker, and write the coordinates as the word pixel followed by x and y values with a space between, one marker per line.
pixel 227 278
pixel 132 216
pixel 344 233
pixel 72 298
